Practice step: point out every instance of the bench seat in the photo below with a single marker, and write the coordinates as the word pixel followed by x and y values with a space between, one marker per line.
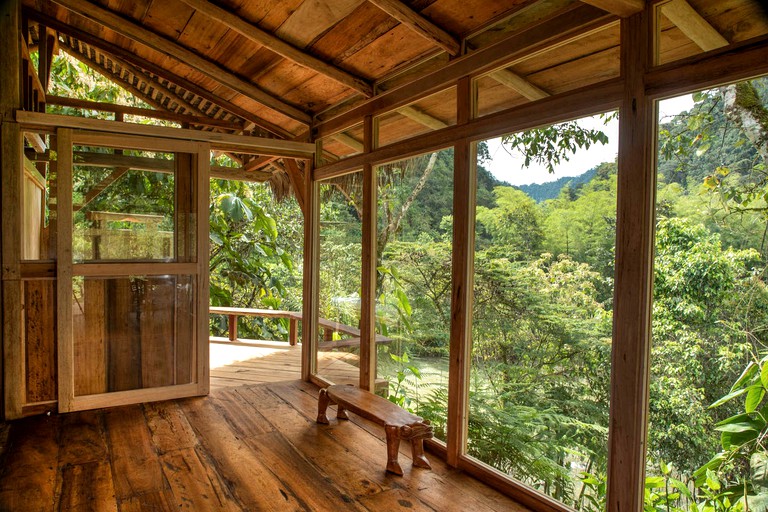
pixel 398 423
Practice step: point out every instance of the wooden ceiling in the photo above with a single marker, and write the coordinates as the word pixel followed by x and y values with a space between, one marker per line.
pixel 281 66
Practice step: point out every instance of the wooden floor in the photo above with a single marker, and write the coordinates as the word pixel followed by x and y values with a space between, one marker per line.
pixel 270 361
pixel 249 448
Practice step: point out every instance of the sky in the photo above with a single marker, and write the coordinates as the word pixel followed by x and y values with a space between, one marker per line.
pixel 509 167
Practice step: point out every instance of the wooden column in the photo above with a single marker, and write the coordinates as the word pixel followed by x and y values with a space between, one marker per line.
pixel 368 279
pixel 66 356
pixel 309 292
pixel 12 360
pixel 634 271
pixel 464 193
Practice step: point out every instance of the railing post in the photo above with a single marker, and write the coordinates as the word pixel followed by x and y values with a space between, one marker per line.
pixel 232 325
pixel 293 330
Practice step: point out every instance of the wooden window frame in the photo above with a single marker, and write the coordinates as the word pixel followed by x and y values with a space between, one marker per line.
pixel 635 94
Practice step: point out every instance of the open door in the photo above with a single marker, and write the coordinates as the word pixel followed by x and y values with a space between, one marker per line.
pixel 132 269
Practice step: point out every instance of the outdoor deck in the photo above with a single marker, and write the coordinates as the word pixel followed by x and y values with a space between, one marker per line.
pixel 253 447
pixel 273 361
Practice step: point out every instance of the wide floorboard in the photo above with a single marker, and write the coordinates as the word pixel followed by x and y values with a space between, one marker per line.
pixel 247 448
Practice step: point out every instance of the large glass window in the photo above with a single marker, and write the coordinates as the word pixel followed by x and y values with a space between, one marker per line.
pixel 708 368
pixel 541 319
pixel 338 352
pixel 413 282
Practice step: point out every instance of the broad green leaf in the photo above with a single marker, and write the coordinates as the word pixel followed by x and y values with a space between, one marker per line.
pixel 728 397
pixel 746 375
pixel 764 375
pixel 654 482
pixel 754 397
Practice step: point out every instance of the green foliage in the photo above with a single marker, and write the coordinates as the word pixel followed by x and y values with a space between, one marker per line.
pixel 551 145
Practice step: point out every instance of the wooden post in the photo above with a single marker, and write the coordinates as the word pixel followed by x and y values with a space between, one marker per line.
pixel 368 266
pixel 12 385
pixel 232 327
pixel 464 193
pixel 293 331
pixel 634 271
pixel 66 356
pixel 309 291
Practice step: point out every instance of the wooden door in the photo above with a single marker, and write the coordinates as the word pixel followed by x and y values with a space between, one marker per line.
pixel 132 268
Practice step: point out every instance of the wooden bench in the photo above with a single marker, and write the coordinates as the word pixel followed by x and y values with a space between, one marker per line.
pixel 398 423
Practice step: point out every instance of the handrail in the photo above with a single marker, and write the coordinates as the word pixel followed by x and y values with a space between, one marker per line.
pixel 329 326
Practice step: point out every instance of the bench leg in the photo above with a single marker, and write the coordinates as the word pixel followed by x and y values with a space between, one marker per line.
pixel 322 405
pixel 341 412
pixel 393 446
pixel 417 451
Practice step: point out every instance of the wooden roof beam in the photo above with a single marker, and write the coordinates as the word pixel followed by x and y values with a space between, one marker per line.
pixel 693 25
pixel 422 117
pixel 519 84
pixel 115 52
pixel 621 8
pixel 419 24
pixel 150 39
pixel 280 47
pixel 348 141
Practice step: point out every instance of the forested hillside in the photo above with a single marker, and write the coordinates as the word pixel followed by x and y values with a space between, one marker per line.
pixel 551 189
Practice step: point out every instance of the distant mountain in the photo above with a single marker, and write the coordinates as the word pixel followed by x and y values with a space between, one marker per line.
pixel 550 190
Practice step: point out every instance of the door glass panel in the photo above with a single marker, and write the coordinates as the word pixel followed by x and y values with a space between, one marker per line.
pixel 133 332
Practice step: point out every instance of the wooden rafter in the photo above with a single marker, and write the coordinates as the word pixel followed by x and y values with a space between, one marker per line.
pixel 422 117
pixel 92 61
pixel 693 25
pixel 348 141
pixel 419 24
pixel 258 163
pixel 145 112
pixel 517 83
pixel 296 176
pixel 150 39
pixel 280 47
pixel 115 51
pixel 621 8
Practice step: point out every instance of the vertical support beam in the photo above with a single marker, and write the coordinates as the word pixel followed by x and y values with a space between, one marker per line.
pixel 311 271
pixel 634 271
pixel 66 354
pixel 464 193
pixel 368 278
pixel 12 388
pixel 202 225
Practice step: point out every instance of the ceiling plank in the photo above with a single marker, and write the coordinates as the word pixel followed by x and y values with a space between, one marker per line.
pixel 693 25
pixel 419 24
pixel 621 8
pixel 517 83
pixel 280 47
pixel 422 117
pixel 115 51
pixel 148 38
pixel 312 18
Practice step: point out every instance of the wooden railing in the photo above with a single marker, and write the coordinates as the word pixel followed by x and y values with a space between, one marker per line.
pixel 329 326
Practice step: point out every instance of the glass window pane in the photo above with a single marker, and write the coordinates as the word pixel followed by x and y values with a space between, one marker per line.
pixel 133 332
pixel 413 288
pixel 710 297
pixel 338 354
pixel 132 205
pixel 541 320
pixel 36 243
